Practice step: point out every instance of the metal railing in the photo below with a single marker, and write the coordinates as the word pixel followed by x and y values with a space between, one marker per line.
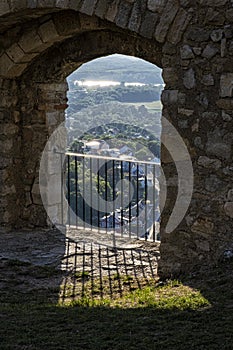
pixel 112 195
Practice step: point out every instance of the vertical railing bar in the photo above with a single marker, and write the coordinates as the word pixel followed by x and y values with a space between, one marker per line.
pixel 109 273
pixel 91 194
pixel 149 259
pixel 130 209
pixel 134 268
pixel 83 271
pixel 137 199
pixel 113 198
pixel 62 191
pixel 142 266
pixel 106 195
pixel 68 188
pixel 84 208
pixel 75 268
pixel 100 273
pixel 154 208
pixel 92 271
pixel 98 194
pixel 122 198
pixel 118 273
pixel 76 190
pixel 146 196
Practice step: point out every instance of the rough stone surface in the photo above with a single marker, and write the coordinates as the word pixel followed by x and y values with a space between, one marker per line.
pixel 193 43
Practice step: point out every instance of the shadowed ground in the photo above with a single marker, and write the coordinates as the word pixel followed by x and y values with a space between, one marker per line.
pixel 51 297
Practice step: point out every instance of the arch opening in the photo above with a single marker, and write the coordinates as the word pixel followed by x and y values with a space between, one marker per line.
pixel 119 119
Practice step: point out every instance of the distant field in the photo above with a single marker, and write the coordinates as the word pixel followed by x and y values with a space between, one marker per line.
pixel 155 106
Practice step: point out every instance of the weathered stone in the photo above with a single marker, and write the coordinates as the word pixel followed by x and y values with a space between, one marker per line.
pixel 166 19
pixel 123 14
pixel 213 184
pixel 169 97
pixel 170 76
pixel 214 17
pixel 185 112
pixel 4 7
pixel 213 3
pixel 189 79
pixel 216 35
pixel 226 85
pixel 228 31
pixel 197 50
pixel 228 207
pixel 156 6
pixel 179 26
pixel 199 34
pixel 223 47
pixel 204 226
pixel 229 15
pixel 88 7
pixel 148 24
pixel 31 42
pixel 47 32
pixel 230 195
pixel 209 163
pixel 216 145
pixel 207 79
pixel 210 51
pixel 136 18
pixel 186 52
pixel 226 117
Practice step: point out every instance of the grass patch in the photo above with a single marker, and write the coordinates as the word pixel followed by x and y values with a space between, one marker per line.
pixel 196 313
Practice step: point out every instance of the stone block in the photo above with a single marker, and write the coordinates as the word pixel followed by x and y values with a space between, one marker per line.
pixel 209 163
pixel 18 4
pixel 210 51
pixel 5 64
pixel 170 75
pixel 166 19
pixel 156 5
pixel 46 3
pixel 112 10
pixel 230 195
pixel 226 85
pixel 62 3
pixel 228 208
pixel 148 25
pixel 213 3
pixel 186 52
pixel 88 23
pixel 101 8
pixel 179 26
pixel 216 35
pixel 123 14
pixel 207 80
pixel 31 42
pixel 169 97
pixel 88 7
pixel 31 4
pixel 189 79
pixel 136 17
pixel 17 55
pixel 4 7
pixel 48 32
pixel 75 4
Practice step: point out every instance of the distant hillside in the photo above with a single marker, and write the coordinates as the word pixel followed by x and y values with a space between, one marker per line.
pixel 119 68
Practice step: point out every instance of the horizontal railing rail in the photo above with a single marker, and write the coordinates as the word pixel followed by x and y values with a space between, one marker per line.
pixel 111 195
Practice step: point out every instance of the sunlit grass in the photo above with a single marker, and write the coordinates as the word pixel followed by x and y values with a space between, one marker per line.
pixel 172 295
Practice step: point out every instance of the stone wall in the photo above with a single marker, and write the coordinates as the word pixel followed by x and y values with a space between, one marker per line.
pixel 43 41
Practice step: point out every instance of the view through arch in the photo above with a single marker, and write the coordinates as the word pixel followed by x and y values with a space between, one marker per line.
pixel 114 128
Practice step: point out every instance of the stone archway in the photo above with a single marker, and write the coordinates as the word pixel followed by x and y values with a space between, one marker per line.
pixel 191 41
